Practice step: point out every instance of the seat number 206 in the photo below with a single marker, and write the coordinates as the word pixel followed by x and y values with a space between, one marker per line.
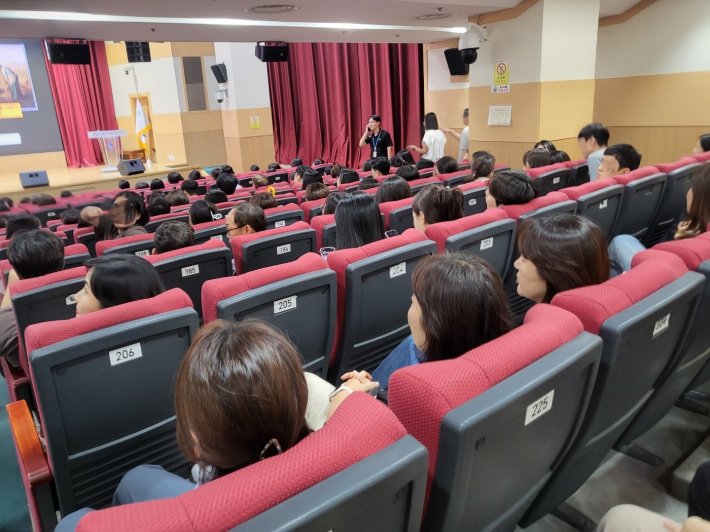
pixel 125 354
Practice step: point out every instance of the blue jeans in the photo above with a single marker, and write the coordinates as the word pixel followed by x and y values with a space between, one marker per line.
pixel 140 484
pixel 405 354
pixel 621 252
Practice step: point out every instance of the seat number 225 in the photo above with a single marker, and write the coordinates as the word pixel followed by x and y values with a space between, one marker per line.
pixel 539 407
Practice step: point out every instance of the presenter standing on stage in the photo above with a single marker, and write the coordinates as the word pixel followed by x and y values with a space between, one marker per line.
pixel 380 141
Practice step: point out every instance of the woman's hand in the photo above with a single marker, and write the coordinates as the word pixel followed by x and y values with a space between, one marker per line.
pixel 91 214
pixel 412 147
pixel 359 381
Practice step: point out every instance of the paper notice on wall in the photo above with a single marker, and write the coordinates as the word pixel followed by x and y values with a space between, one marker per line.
pixel 499 115
pixel 500 89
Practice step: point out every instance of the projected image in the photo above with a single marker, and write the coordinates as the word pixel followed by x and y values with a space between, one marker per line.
pixel 15 79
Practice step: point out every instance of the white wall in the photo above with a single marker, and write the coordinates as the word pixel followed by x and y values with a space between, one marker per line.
pixel 248 80
pixel 157 78
pixel 670 36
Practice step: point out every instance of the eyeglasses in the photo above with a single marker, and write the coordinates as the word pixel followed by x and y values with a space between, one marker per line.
pixel 230 229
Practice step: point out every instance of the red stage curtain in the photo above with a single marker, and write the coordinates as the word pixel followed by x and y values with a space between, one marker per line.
pixel 322 97
pixel 84 102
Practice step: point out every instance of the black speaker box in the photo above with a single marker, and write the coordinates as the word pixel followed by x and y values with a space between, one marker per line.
pixel 131 167
pixel 272 52
pixel 220 72
pixel 456 65
pixel 34 179
pixel 69 54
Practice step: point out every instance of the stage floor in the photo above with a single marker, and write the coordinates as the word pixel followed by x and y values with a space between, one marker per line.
pixel 80 180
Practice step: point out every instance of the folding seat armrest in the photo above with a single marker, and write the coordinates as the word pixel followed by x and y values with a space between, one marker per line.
pixel 29 447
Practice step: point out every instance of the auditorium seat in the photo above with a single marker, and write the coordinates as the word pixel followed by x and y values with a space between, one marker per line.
pixel 104 389
pixel 673 201
pixel 551 177
pixel 53 224
pixel 419 184
pixel 311 209
pixel 279 176
pixel 474 197
pixel 140 245
pixel 489 235
pixel 643 190
pixel 189 268
pixel 361 471
pixel 47 212
pixel 75 255
pixel 498 419
pixel 454 178
pixel 702 157
pixel 67 229
pixel 87 237
pixel 157 221
pixel 286 198
pixel 299 298
pixel 498 168
pixel 324 227
pixel 272 247
pixel 642 318
pixel 226 207
pixel 579 172
pixel 398 215
pixel 599 201
pixel 374 295
pixel 4 244
pixel 348 187
pixel 216 230
pixel 283 215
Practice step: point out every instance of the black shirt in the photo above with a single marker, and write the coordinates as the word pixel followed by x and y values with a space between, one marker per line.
pixel 379 142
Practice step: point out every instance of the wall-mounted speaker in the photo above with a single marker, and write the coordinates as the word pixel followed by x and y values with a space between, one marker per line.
pixel 456 65
pixel 138 52
pixel 34 179
pixel 69 54
pixel 131 167
pixel 272 52
pixel 220 72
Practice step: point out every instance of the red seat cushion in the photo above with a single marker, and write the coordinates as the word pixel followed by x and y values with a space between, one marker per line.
pixel 458 173
pixel 537 172
pixel 574 193
pixel 443 230
pixel 667 168
pixel 572 164
pixel 216 290
pixel 318 223
pixel 359 428
pixel 387 207
pixel 674 261
pixel 692 251
pixel 422 395
pixel 339 261
pixel 239 241
pixel 210 225
pixel 282 208
pixel 473 184
pixel 515 211
pixel 75 249
pixel 639 173
pixel 26 285
pixel 306 207
pixel 425 181
pixel 702 157
pixel 103 245
pixel 595 304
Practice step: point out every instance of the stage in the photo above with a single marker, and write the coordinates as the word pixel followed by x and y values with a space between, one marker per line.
pixel 80 180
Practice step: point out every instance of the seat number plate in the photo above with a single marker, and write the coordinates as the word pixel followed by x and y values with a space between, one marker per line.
pixel 280 223
pixel 486 243
pixel 472 201
pixel 661 325
pixel 539 407
pixel 125 354
pixel 399 269
pixel 190 270
pixel 603 204
pixel 143 253
pixel 286 248
pixel 555 180
pixel 282 305
pixel 70 300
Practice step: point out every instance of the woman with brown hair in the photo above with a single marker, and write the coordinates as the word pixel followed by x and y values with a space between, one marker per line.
pixel 623 247
pixel 559 253
pixel 264 200
pixel 482 167
pixel 436 203
pixel 511 187
pixel 458 303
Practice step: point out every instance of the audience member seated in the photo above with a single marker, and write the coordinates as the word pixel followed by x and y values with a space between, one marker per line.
pixel 434 140
pixel 483 165
pixel 265 200
pixel 216 196
pixel 436 203
pixel 348 176
pixel 189 187
pixel 173 235
pixel 21 222
pixel 619 159
pixel 195 175
pixel 545 145
pixel 214 173
pixel 66 194
pixel 623 247
pixel 701 146
pixel 397 162
pixel 511 187
pixel 393 189
pixel 3 220
pixel 157 184
pixel 141 184
pixel 42 200
pixel 445 165
pixel 536 158
pixel 380 167
pixel 335 171
pixel 260 180
pixel 358 221
pixel 309 177
pixel 318 161
pixel 175 177
pixel 123 184
pixel 227 183
pixel 458 304
pixel 175 198
pixel 408 172
pixel 115 280
pixel 202 212
pixel 254 168
pixel 593 139
pixel 273 167
pixel 368 183
pixel 296 162
pixel 331 202
pixel 245 219
pixel 367 166
pixel 559 253
pixel 559 156
pixel 32 254
pixel 127 216
pixel 70 217
pixel 406 156
pixel 158 205
pixel 226 169
pixel 301 169
pixel 7 201
pixel 317 190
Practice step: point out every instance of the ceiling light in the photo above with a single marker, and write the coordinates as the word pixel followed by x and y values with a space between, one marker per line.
pixel 274 9
pixel 435 16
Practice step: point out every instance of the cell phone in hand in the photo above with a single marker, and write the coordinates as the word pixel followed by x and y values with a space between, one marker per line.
pixel 391 233
pixel 325 251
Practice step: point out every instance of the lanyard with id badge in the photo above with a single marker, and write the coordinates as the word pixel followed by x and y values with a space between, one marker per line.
pixel 375 142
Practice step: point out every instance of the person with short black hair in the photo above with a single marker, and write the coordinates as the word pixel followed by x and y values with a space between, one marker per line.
pixel 245 219
pixel 406 156
pixel 264 200
pixel 511 187
pixel 25 200
pixel 545 145
pixel 367 183
pixel 593 139
pixel 175 198
pixel 172 235
pixel 436 203
pixel 66 194
pixel 558 156
pixel 254 168
pixel 202 212
pixel 195 175
pixel 31 254
pixel 42 200
pixel 536 158
pixel 226 169
pixel 216 196
pixel 175 177
pixel 619 159
pixel 260 180
pixel 7 200
pixel 380 167
pixel 483 166
pixel 189 187
pixel 393 189
pixel 301 169
pixel 434 140
pixel 70 217
pixel 273 167
pixel 408 172
pixel 158 206
pixel 227 183
pixel 309 177
pixel 318 161
pixel 445 165
pixel 21 222
pixel 367 166
pixel 297 161
pixel 358 221
pixel 141 185
pixel 215 172
pixel 379 140
pixel 127 216
pixel 701 146
pixel 462 137
pixel 348 175
pixel 316 191
pixel 123 184
pixel 331 202
pixel 335 171
pixel 157 184
pixel 397 162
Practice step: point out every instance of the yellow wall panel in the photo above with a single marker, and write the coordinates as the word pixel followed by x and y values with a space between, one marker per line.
pixel 659 144
pixel 508 153
pixel 201 121
pixel 116 54
pixel 205 148
pixel 266 127
pixel 565 106
pixel 192 49
pixel 525 100
pixel 169 145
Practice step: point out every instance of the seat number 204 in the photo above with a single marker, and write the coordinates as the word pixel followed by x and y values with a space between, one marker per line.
pixel 125 354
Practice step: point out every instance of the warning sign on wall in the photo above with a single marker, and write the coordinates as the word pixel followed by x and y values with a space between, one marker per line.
pixel 501 74
pixel 255 122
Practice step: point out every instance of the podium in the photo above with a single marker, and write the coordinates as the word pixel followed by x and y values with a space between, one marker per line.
pixel 110 143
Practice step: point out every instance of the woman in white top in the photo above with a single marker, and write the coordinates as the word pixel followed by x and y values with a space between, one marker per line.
pixel 434 140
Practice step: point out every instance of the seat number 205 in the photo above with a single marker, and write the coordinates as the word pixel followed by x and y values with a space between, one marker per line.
pixel 539 407
pixel 125 354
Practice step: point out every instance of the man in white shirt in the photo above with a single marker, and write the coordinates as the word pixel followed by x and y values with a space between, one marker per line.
pixel 593 139
pixel 462 137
